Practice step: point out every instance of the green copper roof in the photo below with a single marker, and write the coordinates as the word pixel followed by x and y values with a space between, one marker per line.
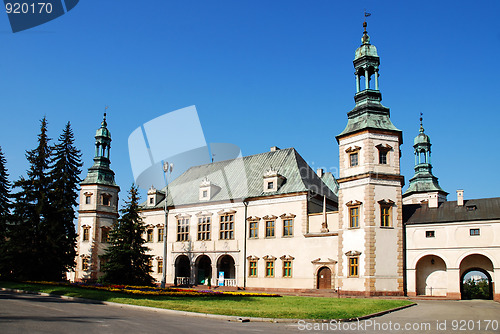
pixel 100 173
pixel 243 178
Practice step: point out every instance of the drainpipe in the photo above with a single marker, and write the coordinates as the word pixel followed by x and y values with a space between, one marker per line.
pixel 245 248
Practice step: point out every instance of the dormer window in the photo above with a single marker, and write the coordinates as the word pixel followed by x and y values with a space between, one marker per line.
pixel 154 196
pixel 273 180
pixel 207 190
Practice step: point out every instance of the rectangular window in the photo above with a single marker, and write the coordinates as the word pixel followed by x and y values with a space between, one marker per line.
pixel 253 269
pixel 87 199
pixel 85 264
pixel 385 216
pixel 106 200
pixel 474 231
pixel 382 157
pixel 149 235
pixel 104 235
pixel 151 200
pixel 150 264
pixel 226 228
pixel 204 228
pixel 159 266
pixel 205 193
pixel 182 229
pixel 270 185
pixel 270 228
pixel 160 234
pixel 353 159
pixel 354 217
pixel 353 266
pixel 430 234
pixel 254 229
pixel 288 227
pixel 86 234
pixel 270 268
pixel 287 268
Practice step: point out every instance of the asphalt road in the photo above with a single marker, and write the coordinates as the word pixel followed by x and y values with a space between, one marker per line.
pixel 25 313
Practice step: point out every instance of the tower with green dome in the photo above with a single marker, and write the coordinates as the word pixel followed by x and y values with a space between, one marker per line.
pixel 424 186
pixel 98 208
pixel 370 236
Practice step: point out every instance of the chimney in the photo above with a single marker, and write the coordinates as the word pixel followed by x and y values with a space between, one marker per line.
pixel 433 200
pixel 274 148
pixel 460 197
pixel 320 172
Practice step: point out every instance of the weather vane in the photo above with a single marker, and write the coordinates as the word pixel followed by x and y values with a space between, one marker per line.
pixel 366 14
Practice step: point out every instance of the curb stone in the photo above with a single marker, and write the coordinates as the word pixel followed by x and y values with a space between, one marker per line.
pixel 206 315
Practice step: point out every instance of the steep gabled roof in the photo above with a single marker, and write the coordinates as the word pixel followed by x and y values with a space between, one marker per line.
pixel 242 178
pixel 447 212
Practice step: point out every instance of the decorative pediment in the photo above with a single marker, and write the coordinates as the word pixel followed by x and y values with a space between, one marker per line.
pixel 149 226
pixel 353 253
pixel 85 256
pixel 152 190
pixel 353 203
pixel 269 258
pixel 205 182
pixel 159 258
pixel 88 193
pixel 86 226
pixel 204 214
pixel 266 217
pixel 226 212
pixel 159 225
pixel 386 202
pixel 287 258
pixel 352 149
pixel 252 258
pixel 271 172
pixel 288 216
pixel 253 219
pixel 384 147
pixel 327 261
pixel 182 215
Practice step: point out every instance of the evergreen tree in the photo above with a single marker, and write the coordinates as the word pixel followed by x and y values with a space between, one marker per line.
pixel 66 163
pixel 28 240
pixel 126 258
pixel 5 205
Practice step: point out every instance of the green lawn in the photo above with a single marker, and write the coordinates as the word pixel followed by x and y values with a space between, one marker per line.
pixel 267 307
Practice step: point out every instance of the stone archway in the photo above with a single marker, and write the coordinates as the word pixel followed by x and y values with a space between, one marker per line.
pixel 182 270
pixel 482 264
pixel 203 270
pixel 324 278
pixel 431 276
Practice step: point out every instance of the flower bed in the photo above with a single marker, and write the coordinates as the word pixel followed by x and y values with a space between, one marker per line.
pixel 155 291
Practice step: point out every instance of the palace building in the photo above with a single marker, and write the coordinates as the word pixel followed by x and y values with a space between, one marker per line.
pixel 268 221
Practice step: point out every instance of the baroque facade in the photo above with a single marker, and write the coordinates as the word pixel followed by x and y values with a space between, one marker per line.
pixel 268 221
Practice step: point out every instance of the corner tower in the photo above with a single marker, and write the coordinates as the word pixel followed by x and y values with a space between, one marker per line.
pixel 424 186
pixel 370 200
pixel 98 208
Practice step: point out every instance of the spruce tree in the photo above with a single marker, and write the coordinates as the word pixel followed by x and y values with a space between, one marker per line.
pixel 5 220
pixel 29 239
pixel 126 258
pixel 65 170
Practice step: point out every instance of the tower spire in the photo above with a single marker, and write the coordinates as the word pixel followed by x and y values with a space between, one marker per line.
pixel 100 172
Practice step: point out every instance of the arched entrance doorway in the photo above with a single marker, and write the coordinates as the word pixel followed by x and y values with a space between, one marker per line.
pixel 431 276
pixel 203 269
pixel 476 271
pixel 225 264
pixel 182 270
pixel 324 278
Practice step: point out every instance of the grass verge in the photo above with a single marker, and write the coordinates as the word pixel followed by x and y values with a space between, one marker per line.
pixel 284 307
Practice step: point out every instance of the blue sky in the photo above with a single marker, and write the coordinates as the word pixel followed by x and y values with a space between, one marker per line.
pixel 261 73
